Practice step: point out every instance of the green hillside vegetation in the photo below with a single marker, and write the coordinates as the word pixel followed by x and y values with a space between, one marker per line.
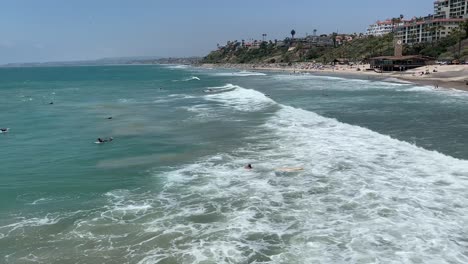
pixel 359 49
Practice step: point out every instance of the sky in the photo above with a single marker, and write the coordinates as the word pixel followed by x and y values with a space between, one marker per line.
pixel 67 30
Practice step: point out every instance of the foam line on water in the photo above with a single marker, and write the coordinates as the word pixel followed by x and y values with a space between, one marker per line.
pixel 373 183
pixel 396 80
pixel 192 78
pixel 177 67
pixel 289 77
pixel 357 185
pixel 239 74
pixel 340 83
pixel 241 99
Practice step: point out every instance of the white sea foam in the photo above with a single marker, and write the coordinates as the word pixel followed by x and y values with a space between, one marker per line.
pixel 240 74
pixel 418 89
pixel 289 77
pixel 126 100
pixel 318 81
pixel 23 223
pixel 241 99
pixel 375 187
pixel 173 98
pixel 358 199
pixel 448 94
pixel 396 80
pixel 362 197
pixel 203 112
pixel 192 78
pixel 178 67
pixel 41 201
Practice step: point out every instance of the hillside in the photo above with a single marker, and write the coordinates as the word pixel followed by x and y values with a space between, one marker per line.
pixel 356 50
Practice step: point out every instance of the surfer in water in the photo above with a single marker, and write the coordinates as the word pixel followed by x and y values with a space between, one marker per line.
pixel 4 129
pixel 100 140
pixel 248 166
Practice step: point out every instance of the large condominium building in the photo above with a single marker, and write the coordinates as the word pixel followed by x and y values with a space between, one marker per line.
pixel 448 14
pixel 381 28
pixel 451 9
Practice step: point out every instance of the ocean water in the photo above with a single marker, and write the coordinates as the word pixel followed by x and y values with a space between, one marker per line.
pixel 382 168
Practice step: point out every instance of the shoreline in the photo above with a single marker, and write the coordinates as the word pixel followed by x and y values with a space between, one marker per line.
pixel 445 77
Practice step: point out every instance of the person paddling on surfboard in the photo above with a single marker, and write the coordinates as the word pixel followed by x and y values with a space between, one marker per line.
pixel 100 140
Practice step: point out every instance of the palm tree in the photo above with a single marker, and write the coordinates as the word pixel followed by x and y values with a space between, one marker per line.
pixel 464 26
pixel 315 32
pixel 438 29
pixel 413 38
pixel 457 33
pixel 293 32
pixel 432 30
pixel 334 35
pixel 394 21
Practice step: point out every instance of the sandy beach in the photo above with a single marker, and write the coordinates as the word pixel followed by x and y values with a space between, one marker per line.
pixel 438 76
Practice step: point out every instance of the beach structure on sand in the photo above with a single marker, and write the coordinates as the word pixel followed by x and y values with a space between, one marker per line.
pixel 399 63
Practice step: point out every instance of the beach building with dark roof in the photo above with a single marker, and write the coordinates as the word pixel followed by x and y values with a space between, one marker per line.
pixel 400 63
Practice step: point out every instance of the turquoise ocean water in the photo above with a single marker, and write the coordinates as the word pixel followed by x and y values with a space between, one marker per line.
pixel 384 179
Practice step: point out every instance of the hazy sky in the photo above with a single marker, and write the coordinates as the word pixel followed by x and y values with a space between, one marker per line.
pixel 57 30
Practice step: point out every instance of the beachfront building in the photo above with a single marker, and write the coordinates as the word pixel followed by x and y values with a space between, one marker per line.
pixel 381 28
pixel 448 15
pixel 399 63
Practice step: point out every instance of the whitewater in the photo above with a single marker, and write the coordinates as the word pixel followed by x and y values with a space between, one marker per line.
pixel 381 178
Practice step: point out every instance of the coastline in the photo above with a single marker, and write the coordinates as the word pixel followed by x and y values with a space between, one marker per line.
pixel 439 76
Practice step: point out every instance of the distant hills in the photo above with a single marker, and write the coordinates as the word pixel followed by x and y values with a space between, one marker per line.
pixel 110 61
